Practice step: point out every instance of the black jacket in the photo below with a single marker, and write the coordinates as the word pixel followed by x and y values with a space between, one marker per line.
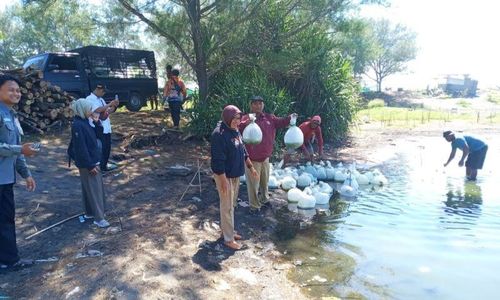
pixel 85 149
pixel 228 151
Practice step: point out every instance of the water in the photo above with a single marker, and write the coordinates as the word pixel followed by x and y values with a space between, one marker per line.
pixel 428 235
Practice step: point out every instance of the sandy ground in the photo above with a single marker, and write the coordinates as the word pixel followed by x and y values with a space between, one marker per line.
pixel 157 247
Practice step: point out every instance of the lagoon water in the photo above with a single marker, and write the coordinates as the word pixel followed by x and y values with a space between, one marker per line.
pixel 429 234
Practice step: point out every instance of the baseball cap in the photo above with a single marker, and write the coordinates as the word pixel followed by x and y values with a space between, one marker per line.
pixel 256 98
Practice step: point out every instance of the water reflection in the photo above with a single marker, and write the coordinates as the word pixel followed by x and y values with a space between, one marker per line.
pixel 464 202
pixel 428 234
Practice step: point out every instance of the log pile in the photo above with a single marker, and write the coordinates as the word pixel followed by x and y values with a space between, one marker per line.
pixel 42 106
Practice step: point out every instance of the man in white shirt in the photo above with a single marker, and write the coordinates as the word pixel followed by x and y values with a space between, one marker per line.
pixel 100 107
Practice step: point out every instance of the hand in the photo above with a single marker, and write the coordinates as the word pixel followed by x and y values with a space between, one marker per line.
pixel 115 103
pixel 27 150
pixel 461 163
pixel 30 184
pixel 255 175
pixel 94 171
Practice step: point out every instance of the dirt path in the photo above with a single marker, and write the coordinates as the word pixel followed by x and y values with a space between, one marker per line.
pixel 157 248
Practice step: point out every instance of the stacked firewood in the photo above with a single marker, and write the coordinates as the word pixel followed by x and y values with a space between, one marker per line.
pixel 42 106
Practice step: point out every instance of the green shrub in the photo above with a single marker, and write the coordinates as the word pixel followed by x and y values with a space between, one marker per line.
pixel 236 87
pixel 376 103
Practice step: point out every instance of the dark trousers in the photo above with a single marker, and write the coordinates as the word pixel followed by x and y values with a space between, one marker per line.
pixel 175 110
pixel 106 150
pixel 8 248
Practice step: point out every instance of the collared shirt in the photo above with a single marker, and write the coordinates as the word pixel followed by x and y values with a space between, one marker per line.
pixel 11 159
pixel 268 123
pixel 96 103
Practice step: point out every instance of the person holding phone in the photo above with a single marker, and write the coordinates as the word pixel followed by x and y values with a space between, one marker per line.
pixel 85 150
pixel 100 107
pixel 12 160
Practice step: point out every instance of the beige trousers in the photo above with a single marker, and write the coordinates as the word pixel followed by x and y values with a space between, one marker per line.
pixel 92 194
pixel 258 187
pixel 227 204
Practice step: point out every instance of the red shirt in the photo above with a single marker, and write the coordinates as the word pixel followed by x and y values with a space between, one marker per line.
pixel 310 134
pixel 268 123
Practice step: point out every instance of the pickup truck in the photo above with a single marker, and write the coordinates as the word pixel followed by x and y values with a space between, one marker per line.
pixel 130 74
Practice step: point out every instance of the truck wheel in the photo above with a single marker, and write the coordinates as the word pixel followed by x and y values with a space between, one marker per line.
pixel 135 102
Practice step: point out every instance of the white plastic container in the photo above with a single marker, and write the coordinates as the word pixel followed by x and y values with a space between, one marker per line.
pixel 288 183
pixel 321 198
pixel 294 138
pixel 294 195
pixel 304 180
pixel 252 134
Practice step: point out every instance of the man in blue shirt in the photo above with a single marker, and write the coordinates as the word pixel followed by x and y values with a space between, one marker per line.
pixel 472 148
pixel 11 161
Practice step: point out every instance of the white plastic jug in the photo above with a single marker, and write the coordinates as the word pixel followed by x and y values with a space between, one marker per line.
pixel 273 182
pixel 362 179
pixel 252 134
pixel 330 173
pixel 340 175
pixel 348 191
pixel 288 183
pixel 307 200
pixel 321 198
pixel 321 173
pixel 294 195
pixel 294 138
pixel 304 180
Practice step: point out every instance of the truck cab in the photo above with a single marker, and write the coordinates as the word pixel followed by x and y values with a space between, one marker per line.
pixel 130 74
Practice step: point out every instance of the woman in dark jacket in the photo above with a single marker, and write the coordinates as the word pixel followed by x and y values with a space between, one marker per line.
pixel 85 150
pixel 228 161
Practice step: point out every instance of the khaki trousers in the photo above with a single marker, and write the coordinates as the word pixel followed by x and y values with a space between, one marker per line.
pixel 258 187
pixel 227 204
pixel 92 194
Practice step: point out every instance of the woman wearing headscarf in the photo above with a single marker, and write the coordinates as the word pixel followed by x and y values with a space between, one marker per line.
pixel 228 161
pixel 85 150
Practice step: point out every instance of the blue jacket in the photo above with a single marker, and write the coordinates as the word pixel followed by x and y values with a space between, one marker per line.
pixel 11 159
pixel 228 151
pixel 85 149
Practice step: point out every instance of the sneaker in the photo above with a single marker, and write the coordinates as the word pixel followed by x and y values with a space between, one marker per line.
pixel 102 224
pixel 88 216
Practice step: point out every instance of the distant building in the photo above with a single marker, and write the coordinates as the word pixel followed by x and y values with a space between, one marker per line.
pixel 458 85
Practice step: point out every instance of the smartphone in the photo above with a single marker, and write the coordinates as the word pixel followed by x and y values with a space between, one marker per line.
pixel 36 146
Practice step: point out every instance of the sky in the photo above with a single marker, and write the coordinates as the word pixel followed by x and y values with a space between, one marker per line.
pixel 453 37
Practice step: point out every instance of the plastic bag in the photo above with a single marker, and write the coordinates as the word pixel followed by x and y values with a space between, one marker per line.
pixel 252 134
pixel 294 138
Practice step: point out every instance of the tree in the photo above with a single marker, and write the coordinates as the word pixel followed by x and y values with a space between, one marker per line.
pixel 395 46
pixel 30 30
pixel 211 35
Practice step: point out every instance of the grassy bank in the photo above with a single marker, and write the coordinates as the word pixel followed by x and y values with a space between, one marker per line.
pixel 400 116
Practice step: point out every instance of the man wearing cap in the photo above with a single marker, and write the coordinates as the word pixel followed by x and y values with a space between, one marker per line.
pixel 312 134
pixel 472 148
pixel 100 107
pixel 260 154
